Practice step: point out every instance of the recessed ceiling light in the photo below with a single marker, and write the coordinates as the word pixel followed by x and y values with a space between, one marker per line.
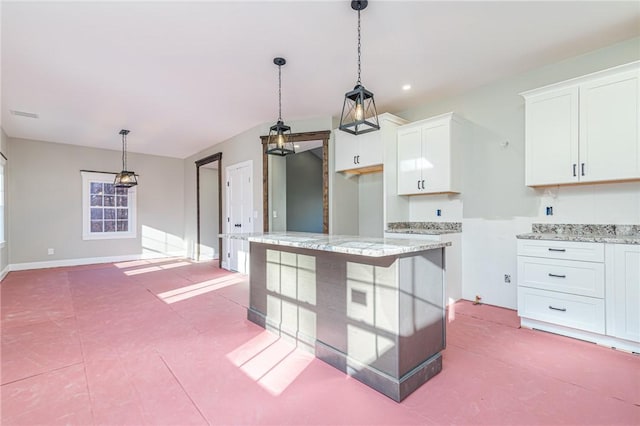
pixel 406 87
pixel 24 114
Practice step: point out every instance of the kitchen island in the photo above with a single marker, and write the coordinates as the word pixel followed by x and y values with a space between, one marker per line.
pixel 373 308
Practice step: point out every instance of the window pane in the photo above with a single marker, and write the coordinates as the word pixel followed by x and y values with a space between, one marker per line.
pixel 122 201
pixel 123 214
pixel 122 191
pixel 96 226
pixel 109 189
pixel 123 225
pixel 109 226
pixel 109 213
pixel 109 200
pixel 96 200
pixel 96 187
pixel 96 214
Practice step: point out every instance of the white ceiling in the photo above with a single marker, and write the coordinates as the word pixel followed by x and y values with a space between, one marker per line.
pixel 184 76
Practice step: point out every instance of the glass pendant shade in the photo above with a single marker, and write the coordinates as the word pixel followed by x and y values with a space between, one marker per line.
pixel 279 142
pixel 126 178
pixel 359 113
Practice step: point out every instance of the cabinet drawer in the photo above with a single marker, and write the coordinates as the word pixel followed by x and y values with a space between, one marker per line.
pixel 567 276
pixel 580 312
pixel 569 250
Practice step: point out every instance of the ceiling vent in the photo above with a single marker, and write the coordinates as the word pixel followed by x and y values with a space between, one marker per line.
pixel 24 114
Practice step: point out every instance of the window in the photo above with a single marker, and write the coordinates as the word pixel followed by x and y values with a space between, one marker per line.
pixel 107 212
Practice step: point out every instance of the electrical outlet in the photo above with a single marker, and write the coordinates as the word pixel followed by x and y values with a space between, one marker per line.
pixel 549 210
pixel 275 214
pixel 50 251
pixel 507 278
pixel 438 212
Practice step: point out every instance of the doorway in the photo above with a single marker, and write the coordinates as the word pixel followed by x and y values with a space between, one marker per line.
pixel 209 208
pixel 274 181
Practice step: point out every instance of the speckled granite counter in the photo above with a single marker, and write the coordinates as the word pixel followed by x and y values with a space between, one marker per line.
pixel 360 246
pixel 610 234
pixel 424 228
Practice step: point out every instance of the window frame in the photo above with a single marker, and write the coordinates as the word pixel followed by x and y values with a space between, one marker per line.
pixel 87 234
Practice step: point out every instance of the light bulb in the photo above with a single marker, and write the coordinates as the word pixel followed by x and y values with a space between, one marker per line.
pixel 280 140
pixel 359 112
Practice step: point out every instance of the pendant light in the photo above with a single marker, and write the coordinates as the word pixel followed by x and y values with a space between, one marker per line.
pixel 125 179
pixel 359 113
pixel 279 142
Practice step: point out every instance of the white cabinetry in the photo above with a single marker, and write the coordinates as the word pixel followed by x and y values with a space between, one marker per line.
pixel 562 283
pixel 584 129
pixel 590 291
pixel 365 153
pixel 429 155
pixel 623 291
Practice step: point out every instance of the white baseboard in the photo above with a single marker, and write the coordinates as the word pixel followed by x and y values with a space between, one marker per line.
pixel 4 272
pixel 87 261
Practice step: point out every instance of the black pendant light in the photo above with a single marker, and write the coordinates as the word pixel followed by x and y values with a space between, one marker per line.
pixel 279 142
pixel 126 178
pixel 359 113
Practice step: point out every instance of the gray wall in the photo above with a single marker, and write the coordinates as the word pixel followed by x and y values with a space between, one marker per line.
pixel 4 251
pixel 209 210
pixel 370 194
pixel 45 202
pixel 243 147
pixel 304 192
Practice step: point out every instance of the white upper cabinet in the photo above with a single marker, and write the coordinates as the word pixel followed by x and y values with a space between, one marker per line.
pixel 364 153
pixel 585 129
pixel 429 155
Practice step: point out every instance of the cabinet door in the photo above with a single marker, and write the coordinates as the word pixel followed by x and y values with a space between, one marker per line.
pixel 623 292
pixel 409 161
pixel 609 140
pixel 370 149
pixel 346 151
pixel 551 134
pixel 436 157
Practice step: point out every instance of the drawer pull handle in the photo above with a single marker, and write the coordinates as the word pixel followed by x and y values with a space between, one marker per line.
pixel 557 309
pixel 557 276
pixel 554 249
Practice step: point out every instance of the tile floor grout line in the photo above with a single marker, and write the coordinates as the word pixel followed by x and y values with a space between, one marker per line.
pixel 183 389
pixel 44 372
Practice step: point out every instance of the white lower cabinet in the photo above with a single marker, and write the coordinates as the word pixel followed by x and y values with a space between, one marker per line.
pixel 590 291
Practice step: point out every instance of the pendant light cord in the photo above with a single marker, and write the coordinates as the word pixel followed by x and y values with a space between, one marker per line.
pixel 124 152
pixel 359 45
pixel 279 93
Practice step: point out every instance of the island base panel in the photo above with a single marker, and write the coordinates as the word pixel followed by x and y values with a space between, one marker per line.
pixel 396 389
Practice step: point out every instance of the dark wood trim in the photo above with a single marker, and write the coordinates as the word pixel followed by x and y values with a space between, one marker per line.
pixel 299 137
pixel 199 163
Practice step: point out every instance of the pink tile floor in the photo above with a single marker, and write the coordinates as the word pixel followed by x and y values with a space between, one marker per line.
pixel 167 343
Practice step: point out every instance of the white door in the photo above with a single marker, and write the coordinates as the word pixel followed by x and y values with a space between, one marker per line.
pixel 436 157
pixel 239 214
pixel 609 139
pixel 409 161
pixel 346 151
pixel 551 134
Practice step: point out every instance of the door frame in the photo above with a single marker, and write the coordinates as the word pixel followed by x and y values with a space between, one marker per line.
pixel 199 163
pixel 322 135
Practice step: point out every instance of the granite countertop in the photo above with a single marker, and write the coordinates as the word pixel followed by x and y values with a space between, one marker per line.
pixel 424 228
pixel 610 234
pixel 362 246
